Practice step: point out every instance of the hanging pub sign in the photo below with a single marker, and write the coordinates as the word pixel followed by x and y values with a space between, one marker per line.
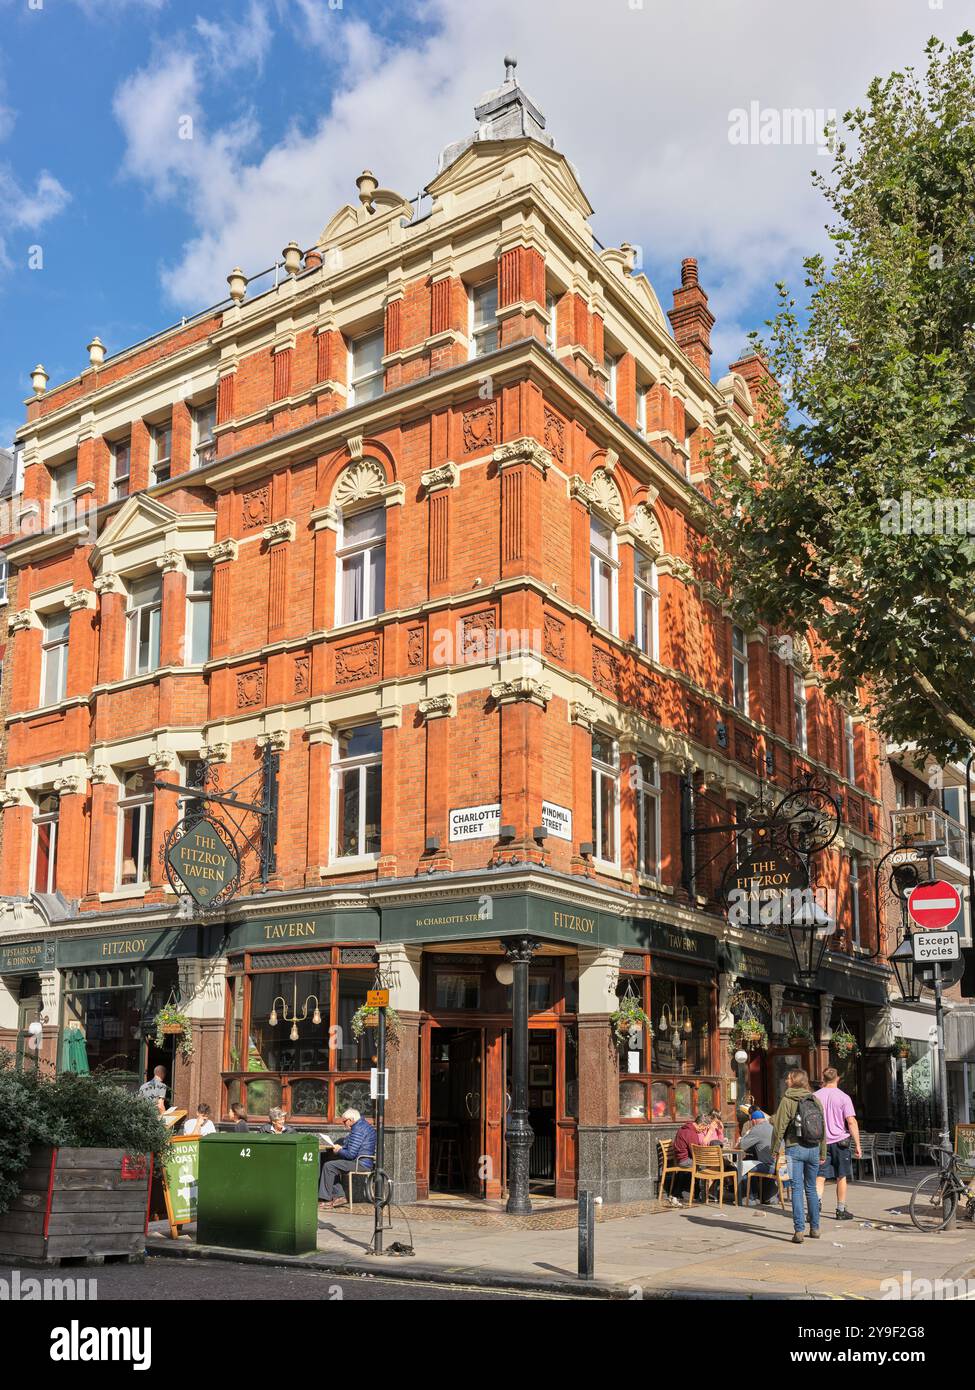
pixel 201 859
pixel 766 887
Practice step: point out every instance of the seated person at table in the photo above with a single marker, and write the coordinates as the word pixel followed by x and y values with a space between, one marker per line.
pixel 690 1133
pixel 239 1114
pixel 277 1116
pixel 203 1124
pixel 757 1144
pixel 713 1128
pixel 360 1143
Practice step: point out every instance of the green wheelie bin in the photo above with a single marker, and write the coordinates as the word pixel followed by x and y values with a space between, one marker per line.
pixel 259 1192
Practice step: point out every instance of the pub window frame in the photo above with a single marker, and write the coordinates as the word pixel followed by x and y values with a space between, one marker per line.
pixel 241 973
pixel 643 982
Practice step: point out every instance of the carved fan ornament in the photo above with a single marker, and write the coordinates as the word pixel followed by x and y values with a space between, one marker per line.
pixel 360 480
pixel 646 527
pixel 607 496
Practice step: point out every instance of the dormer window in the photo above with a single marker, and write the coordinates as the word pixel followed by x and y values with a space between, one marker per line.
pixel 483 316
pixel 366 367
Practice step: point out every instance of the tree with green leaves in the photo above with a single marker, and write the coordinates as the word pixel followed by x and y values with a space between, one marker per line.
pixel 859 523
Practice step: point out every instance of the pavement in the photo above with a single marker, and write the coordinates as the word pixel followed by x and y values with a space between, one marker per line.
pixel 698 1252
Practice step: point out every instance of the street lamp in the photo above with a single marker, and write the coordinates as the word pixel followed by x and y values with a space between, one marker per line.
pixel 809 932
pixel 905 970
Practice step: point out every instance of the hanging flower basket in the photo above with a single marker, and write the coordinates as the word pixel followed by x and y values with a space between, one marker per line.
pixel 171 1022
pixel 843 1043
pixel 628 1016
pixel 367 1016
pixel 901 1048
pixel 749 1035
pixel 798 1033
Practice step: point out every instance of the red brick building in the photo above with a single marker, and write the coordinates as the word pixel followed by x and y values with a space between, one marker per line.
pixel 419 518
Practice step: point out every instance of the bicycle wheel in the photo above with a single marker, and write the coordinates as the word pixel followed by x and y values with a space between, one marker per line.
pixel 933 1202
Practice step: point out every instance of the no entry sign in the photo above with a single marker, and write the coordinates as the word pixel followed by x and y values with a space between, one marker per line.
pixel 934 905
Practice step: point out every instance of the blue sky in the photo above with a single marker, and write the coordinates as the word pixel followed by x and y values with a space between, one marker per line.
pixel 289 99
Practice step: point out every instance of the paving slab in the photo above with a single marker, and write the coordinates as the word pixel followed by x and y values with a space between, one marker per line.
pixel 695 1252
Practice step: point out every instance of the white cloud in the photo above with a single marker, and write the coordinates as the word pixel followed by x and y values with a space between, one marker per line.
pixel 638 98
pixel 231 47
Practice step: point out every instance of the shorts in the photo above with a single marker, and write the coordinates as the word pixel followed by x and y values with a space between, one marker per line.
pixel 839 1161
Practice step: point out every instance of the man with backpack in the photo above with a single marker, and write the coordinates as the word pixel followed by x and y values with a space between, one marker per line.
pixel 800 1125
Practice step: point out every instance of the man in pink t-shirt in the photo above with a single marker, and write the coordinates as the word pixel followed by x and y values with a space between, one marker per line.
pixel 841 1128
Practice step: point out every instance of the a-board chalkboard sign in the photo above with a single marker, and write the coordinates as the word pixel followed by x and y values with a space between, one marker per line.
pixel 174 1186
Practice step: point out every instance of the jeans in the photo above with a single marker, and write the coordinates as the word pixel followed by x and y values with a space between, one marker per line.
pixel 803 1163
pixel 330 1178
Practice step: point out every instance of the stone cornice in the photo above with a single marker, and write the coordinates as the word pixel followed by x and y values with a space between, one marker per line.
pixel 524 450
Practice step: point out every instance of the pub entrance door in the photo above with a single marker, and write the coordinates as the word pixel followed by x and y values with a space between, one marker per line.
pixel 457 1111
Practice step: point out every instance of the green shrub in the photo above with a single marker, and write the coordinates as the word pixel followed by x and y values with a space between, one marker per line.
pixel 68 1111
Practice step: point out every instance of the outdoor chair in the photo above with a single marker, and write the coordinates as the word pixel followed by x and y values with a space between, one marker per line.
pixel 868 1146
pixel 666 1167
pixel 898 1138
pixel 709 1167
pixel 779 1177
pixel 362 1176
pixel 885 1148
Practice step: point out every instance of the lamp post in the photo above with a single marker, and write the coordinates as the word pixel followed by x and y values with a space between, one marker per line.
pixel 809 931
pixel 518 1133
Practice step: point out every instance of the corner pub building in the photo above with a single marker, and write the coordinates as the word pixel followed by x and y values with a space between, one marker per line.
pixel 413 524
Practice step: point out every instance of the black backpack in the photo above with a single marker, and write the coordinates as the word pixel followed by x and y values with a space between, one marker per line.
pixel 810 1123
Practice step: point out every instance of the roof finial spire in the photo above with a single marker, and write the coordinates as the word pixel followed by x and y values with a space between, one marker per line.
pixel 509 68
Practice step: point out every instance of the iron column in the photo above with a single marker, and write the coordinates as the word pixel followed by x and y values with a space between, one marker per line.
pixel 518 1134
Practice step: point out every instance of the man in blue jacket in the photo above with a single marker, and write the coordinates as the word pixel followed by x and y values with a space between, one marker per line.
pixel 360 1144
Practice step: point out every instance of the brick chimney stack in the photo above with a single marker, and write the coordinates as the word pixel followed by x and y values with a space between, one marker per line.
pixel 691 319
pixel 758 379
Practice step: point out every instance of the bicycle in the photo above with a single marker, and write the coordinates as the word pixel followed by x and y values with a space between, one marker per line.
pixel 936 1196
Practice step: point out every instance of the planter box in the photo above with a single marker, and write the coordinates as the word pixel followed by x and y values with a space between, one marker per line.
pixel 75 1203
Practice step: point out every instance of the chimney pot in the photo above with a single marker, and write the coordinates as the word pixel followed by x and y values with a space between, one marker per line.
pixel 688 271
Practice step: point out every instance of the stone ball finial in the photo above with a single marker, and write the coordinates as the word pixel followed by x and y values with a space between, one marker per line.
pixel 39 379
pixel 96 352
pixel 510 63
pixel 367 183
pixel 237 282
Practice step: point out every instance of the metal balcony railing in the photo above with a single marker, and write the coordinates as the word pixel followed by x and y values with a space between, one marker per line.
pixel 913 824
